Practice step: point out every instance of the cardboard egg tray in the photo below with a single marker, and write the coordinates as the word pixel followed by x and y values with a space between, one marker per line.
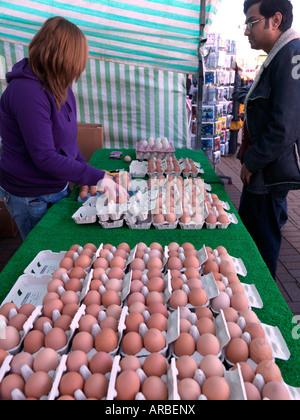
pixel 35 287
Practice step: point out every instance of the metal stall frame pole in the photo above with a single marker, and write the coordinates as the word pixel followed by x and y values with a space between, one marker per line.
pixel 200 74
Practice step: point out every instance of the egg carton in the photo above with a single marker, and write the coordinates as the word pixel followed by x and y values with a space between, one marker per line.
pixel 116 369
pixel 85 215
pixel 294 392
pixel 138 169
pixel 96 328
pixel 28 325
pixel 26 372
pixel 114 224
pixel 170 336
pixel 184 163
pixel 61 370
pixel 233 378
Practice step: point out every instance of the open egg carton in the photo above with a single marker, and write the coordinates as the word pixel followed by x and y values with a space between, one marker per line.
pixel 159 147
pixel 140 208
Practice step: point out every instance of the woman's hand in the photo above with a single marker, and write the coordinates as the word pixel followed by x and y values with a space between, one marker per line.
pixel 110 187
pixel 245 175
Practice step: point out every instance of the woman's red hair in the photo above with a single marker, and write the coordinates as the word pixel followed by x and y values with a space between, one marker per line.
pixel 58 55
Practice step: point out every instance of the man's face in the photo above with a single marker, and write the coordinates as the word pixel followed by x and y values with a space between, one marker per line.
pixel 258 35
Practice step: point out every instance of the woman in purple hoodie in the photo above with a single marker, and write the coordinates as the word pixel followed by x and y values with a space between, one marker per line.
pixel 38 126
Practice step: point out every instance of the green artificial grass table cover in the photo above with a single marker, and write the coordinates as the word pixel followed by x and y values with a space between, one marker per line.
pixel 57 231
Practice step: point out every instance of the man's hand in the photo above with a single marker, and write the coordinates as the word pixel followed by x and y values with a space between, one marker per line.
pixel 245 175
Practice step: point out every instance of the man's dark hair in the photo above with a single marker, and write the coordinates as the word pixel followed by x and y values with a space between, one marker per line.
pixel 268 8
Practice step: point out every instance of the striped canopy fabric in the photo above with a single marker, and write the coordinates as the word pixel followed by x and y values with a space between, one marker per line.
pixel 139 54
pixel 154 33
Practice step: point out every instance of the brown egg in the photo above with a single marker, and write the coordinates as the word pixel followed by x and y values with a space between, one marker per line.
pixel 249 316
pixel 110 297
pixel 239 302
pixel 46 360
pixel 73 285
pixel 186 367
pixel 130 363
pixel 118 262
pixel 237 351
pixel 159 321
pixel 56 339
pixel 137 307
pixel 54 284
pixel 178 299
pixel 116 273
pixel 154 262
pixel 154 340
pixel 234 330
pixel 38 385
pixel 69 297
pixel 109 322
pixel 194 283
pixel 96 386
pixel 127 385
pixel 221 301
pixel 231 315
pixel 156 284
pixel 9 383
pixel 204 312
pixel 206 325
pixel 132 343
pixel 133 321
pixel 176 283
pixel 63 322
pixel 114 284
pixel 101 362
pixel 154 297
pixel 101 262
pixel 211 219
pixel 138 264
pixel 58 273
pixel 3 356
pixel 83 341
pixel 106 340
pixel 92 297
pixel 275 391
pixel 216 388
pixel 191 261
pixel 39 323
pixel 189 389
pixel 184 345
pixel 255 331
pixel 260 350
pixel 90 246
pixel 154 388
pixel 197 297
pixel 248 373
pixel 269 371
pixel 18 321
pixel 52 305
pixel 135 297
pixel 20 360
pixel 158 307
pixel 66 263
pixel 50 296
pixel 70 382
pixel 77 272
pixel 34 341
pixel 252 392
pixel 83 261
pixel 211 266
pixel 174 264
pixel 70 309
pixel 208 344
pixel 155 365
pixel 26 309
pixel 192 272
pixel 211 366
pixel 75 360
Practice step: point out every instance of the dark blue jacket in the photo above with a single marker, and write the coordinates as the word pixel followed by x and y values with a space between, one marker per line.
pixel 273 120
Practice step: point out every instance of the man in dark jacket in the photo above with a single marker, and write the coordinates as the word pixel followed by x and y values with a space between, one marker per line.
pixel 271 141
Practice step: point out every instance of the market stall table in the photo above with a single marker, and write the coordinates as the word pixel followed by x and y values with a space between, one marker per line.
pixel 57 232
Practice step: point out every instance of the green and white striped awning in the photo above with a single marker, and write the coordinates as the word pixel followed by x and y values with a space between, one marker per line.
pixel 150 33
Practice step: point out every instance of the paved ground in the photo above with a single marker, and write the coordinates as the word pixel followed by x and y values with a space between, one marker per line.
pixel 288 274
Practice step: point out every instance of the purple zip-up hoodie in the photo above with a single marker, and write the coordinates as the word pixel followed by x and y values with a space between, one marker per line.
pixel 40 153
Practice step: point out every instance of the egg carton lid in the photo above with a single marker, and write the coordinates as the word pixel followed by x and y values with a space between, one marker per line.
pixel 45 263
pixel 138 169
pixel 91 201
pixel 29 288
pixel 85 215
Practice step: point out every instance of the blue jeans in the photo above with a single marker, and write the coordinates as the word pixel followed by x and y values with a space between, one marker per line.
pixel 264 217
pixel 28 211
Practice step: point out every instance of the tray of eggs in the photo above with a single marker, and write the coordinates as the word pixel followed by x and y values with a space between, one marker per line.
pixel 159 147
pixel 189 345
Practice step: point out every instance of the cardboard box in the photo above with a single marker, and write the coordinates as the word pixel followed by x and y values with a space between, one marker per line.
pixel 89 138
pixel 8 227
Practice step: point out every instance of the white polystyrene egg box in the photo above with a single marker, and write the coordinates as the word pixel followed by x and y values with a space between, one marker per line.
pixel 116 369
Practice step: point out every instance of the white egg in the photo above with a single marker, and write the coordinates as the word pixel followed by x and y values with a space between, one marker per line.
pixel 145 144
pixel 165 144
pixel 151 142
